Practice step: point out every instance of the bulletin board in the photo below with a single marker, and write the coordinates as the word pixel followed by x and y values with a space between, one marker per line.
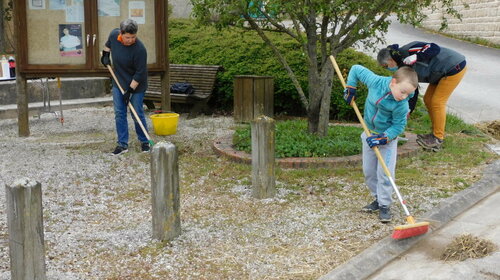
pixel 142 12
pixel 44 18
pixel 66 32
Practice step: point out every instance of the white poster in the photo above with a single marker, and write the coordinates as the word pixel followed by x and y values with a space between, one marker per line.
pixel 109 8
pixel 137 11
pixel 75 12
pixel 57 4
pixel 36 4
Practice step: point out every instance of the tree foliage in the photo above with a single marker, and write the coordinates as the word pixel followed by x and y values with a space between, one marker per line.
pixel 6 32
pixel 322 28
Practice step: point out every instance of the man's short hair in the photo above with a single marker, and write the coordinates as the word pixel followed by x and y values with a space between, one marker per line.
pixel 383 56
pixel 406 73
pixel 129 26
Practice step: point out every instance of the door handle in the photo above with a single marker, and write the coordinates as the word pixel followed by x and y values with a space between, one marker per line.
pixel 93 39
pixel 88 38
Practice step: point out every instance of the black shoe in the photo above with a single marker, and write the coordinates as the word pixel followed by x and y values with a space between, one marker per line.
pixel 431 143
pixel 145 147
pixel 424 136
pixel 385 214
pixel 372 207
pixel 119 150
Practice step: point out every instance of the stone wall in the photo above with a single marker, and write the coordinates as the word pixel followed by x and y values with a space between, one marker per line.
pixel 480 19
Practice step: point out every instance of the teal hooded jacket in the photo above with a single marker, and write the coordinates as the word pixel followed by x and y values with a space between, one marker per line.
pixel 382 113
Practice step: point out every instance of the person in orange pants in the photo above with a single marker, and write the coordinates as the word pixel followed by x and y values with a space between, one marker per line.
pixel 442 68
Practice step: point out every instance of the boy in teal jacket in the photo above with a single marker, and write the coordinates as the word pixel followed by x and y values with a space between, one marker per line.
pixel 385 114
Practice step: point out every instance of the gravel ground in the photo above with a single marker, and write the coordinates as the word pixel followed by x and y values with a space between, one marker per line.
pixel 97 207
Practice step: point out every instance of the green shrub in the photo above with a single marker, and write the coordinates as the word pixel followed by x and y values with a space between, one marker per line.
pixel 293 140
pixel 244 53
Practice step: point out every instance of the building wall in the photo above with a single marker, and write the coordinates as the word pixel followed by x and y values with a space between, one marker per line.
pixel 481 19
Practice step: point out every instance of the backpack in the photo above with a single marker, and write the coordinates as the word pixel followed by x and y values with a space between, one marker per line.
pixel 183 88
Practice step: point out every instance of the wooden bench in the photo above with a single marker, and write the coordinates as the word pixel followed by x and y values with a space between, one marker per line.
pixel 202 77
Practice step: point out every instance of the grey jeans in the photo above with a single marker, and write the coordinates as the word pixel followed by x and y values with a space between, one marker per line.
pixel 375 178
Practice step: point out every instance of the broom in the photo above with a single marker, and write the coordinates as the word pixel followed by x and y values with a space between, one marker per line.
pixel 412 228
pixel 151 143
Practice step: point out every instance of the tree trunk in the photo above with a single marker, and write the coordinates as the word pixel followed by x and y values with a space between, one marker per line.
pixel 2 27
pixel 320 88
pixel 326 92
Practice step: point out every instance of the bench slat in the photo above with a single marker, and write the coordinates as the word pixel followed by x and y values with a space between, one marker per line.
pixel 202 77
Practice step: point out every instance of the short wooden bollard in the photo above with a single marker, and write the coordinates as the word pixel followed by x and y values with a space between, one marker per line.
pixel 25 223
pixel 263 142
pixel 165 191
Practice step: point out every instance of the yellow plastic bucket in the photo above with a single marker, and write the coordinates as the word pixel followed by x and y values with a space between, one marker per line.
pixel 165 123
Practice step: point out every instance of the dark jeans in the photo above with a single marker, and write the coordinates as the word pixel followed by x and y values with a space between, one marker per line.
pixel 121 122
pixel 413 101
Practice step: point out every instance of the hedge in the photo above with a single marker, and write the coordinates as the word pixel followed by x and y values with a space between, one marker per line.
pixel 244 53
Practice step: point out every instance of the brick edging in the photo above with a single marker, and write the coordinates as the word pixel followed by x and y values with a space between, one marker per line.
pixel 223 147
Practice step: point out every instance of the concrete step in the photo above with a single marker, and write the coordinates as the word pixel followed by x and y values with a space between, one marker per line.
pixel 37 108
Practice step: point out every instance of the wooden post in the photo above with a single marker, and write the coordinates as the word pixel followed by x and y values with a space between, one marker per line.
pixel 166 102
pixel 21 83
pixel 263 177
pixel 253 96
pixel 25 223
pixel 165 191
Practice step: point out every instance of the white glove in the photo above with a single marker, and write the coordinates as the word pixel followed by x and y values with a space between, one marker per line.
pixel 410 60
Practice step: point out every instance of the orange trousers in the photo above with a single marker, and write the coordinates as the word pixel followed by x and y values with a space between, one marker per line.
pixel 435 99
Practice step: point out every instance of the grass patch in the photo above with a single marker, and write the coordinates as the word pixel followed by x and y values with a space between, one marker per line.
pixel 293 140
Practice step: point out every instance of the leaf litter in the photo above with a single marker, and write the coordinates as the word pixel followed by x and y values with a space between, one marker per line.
pixel 97 207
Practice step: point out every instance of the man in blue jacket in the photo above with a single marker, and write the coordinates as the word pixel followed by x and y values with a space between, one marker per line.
pixel 385 114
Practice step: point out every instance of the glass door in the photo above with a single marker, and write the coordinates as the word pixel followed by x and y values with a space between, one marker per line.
pixel 112 12
pixel 56 32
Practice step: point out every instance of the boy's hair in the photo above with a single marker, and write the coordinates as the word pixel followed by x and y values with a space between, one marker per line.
pixel 129 26
pixel 406 73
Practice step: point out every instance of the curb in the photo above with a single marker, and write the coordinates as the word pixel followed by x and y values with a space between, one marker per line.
pixel 223 147
pixel 380 254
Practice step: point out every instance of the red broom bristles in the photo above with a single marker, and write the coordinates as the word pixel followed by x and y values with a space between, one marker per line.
pixel 406 231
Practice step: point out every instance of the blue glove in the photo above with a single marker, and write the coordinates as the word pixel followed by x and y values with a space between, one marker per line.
pixel 126 95
pixel 377 139
pixel 349 94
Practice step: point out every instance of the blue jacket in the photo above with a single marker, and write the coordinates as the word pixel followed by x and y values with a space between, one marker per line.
pixel 382 114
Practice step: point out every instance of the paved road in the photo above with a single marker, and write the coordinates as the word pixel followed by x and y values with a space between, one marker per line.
pixel 477 98
pixel 423 260
pixel 471 211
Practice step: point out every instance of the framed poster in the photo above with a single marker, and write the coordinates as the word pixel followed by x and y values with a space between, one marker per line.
pixel 70 39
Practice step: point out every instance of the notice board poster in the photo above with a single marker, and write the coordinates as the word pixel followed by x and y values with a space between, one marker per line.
pixel 70 39
pixel 137 11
